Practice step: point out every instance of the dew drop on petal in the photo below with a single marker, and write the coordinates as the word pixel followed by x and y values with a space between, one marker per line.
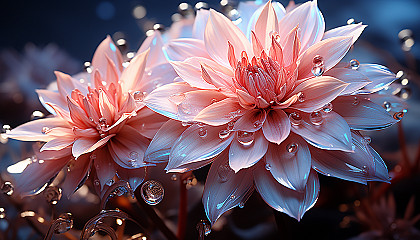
pixel 327 108
pixel 6 128
pixel 295 118
pixel 354 64
pixel 267 167
pixel 318 67
pixel 245 138
pixel 355 101
pixel 387 106
pixel 174 177
pixel 257 124
pixel 203 228
pixel 37 115
pixel 202 132
pixel 224 133
pixel 152 192
pixel 301 97
pixel 367 140
pixel 45 130
pixel 139 95
pixel 133 155
pixel 7 188
pixel 2 213
pixel 52 194
pixel 110 182
pixel 96 182
pixel 316 118
pixel 318 60
pixel 230 126
pixel 398 115
pixel 224 172
pixel 292 147
pixel 63 223
pixel 177 98
pixel 241 205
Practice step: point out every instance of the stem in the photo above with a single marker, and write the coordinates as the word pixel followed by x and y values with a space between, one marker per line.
pixel 182 211
pixel 154 217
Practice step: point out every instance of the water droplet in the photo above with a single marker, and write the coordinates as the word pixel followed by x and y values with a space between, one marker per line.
pixel 387 106
pixel 37 115
pixel 295 118
pixel 7 188
pixel 152 192
pixel 230 126
pixel 292 147
pixel 398 115
pixel 202 132
pixel 177 98
pixel 327 108
pixel 203 228
pixel 318 60
pixel 52 194
pixel 6 128
pixel 301 97
pixel 245 138
pixel 316 118
pixel 139 95
pixel 2 213
pixel 318 67
pixel 63 223
pixel 267 167
pixel 93 156
pixel 232 197
pixel 241 205
pixel 224 172
pixel 186 124
pixel 355 101
pixel 174 177
pixel 214 100
pixel 110 182
pixel 354 64
pixel 45 130
pixel 224 133
pixel 257 124
pixel 133 155
pixel 96 182
pixel 367 140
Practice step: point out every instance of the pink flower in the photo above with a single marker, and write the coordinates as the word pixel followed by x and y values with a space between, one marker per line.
pixel 273 109
pixel 99 122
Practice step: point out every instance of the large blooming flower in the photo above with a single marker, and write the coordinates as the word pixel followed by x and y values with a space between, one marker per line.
pixel 273 108
pixel 98 121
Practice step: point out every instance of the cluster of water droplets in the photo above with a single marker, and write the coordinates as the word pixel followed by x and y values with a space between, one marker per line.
pixel 152 192
pixel 316 117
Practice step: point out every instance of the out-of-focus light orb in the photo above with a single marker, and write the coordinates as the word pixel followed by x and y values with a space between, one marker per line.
pixel 223 2
pixel 399 74
pixel 149 32
pixel 131 54
pixel 406 38
pixel 121 42
pixel 176 17
pixel 105 10
pixel 404 81
pixel 139 12
pixel 119 221
pixel 183 6
pixel 201 5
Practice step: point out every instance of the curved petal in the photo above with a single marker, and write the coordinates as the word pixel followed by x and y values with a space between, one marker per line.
pixel 147 122
pixel 196 144
pixel 133 176
pixel 34 130
pixel 66 84
pixel 160 146
pixel 128 147
pixel 251 121
pixel 317 92
pixel 333 133
pixel 46 96
pixel 245 154
pixel 194 102
pixel 266 25
pixel 361 165
pixel 131 77
pixel 252 13
pixel 159 101
pixel 332 50
pixel 157 76
pixel 284 199
pixel 276 127
pixel 290 162
pixel 219 30
pixel 354 78
pixel 106 49
pixel 225 189
pixel 86 145
pixel 353 30
pixel 76 173
pixel 104 165
pixel 200 23
pixel 183 48
pixel 362 114
pixel 380 77
pixel 192 75
pixel 220 112
pixel 154 43
pixel 309 19
pixel 58 143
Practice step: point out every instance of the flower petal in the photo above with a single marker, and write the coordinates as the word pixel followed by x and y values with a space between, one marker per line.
pixel 46 96
pixel 220 112
pixel 380 77
pixel 58 143
pixel 218 32
pixel 200 23
pixel 355 79
pixel 154 43
pixel 284 199
pixel 160 146
pixel 86 145
pixel 244 155
pixel 332 50
pixel 196 144
pixel 290 162
pixel 276 127
pixel 34 130
pixel 266 25
pixel 317 92
pixel 255 10
pixel 251 121
pixel 133 176
pixel 76 174
pixel 192 75
pixel 362 114
pixel 181 49
pixel 332 134
pixel 361 165
pixel 131 77
pixel 353 30
pixel 104 165
pixel 106 48
pixel 225 189
pixel 147 122
pixel 66 84
pixel 157 76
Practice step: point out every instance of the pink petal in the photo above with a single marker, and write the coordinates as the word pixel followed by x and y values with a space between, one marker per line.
pixel 251 121
pixel 76 175
pixel 131 77
pixel 290 168
pixel 380 77
pixel 160 146
pixel 106 48
pixel 220 113
pixel 66 84
pixel 224 188
pixel 58 143
pixel 245 100
pixel 354 78
pixel 147 122
pixel 350 30
pixel 104 165
pixel 219 31
pixel 51 97
pixel 154 43
pixel 276 127
pixel 284 199
pixel 361 165
pixel 33 130
pixel 332 134
pixel 266 25
pixel 133 176
pixel 309 19
pixel 158 100
pixel 86 145
pixel 255 12
pixel 332 50
pixel 78 115
pixel 181 49
pixel 244 156
pixel 362 114
pixel 317 92
pixel 397 104
pixel 157 76
pixel 128 147
pixel 200 23
pixel 192 75
pixel 196 144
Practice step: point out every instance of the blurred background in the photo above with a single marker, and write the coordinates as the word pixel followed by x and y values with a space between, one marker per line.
pixel 39 37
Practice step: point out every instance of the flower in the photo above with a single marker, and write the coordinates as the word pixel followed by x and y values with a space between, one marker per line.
pixel 99 122
pixel 271 110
